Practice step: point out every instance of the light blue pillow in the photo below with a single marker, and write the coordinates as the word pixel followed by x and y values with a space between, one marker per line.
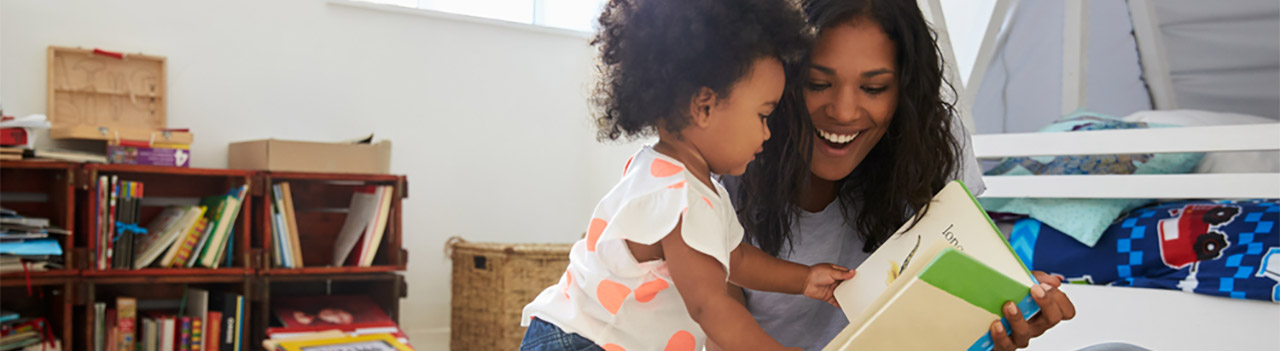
pixel 1085 219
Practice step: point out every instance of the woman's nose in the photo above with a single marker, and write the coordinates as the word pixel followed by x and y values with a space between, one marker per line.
pixel 844 108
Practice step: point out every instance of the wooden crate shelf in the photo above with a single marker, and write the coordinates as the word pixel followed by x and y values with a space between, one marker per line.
pixel 63 192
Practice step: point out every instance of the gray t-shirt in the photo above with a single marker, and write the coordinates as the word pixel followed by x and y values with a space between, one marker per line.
pixel 796 320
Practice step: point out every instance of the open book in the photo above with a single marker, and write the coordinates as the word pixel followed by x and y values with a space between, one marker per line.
pixel 936 285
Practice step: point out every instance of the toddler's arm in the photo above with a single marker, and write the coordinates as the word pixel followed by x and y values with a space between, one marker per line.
pixel 753 269
pixel 700 279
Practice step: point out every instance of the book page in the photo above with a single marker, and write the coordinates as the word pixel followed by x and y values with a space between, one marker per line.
pixel 954 218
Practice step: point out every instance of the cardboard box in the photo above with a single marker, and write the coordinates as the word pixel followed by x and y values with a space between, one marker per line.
pixel 306 156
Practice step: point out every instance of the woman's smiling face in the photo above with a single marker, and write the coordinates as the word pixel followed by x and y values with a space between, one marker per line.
pixel 851 95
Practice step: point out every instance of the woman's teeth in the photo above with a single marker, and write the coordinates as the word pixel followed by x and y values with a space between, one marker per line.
pixel 837 138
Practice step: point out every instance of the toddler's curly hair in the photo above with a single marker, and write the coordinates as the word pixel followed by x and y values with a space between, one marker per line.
pixel 656 54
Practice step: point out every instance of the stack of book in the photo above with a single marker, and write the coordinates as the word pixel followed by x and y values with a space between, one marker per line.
pixel 132 152
pixel 335 322
pixel 26 245
pixel 180 236
pixel 18 140
pixel 361 233
pixel 26 334
pixel 200 321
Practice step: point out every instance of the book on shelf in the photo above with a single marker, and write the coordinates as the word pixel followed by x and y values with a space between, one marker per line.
pixel 282 249
pixel 126 322
pixel 168 333
pixel 113 331
pixel 24 333
pixel 288 248
pixel 183 251
pixel 151 154
pixel 197 334
pixel 366 221
pixel 197 308
pixel 184 334
pixel 170 224
pixel 229 209
pixel 127 232
pixel 28 243
pixel 232 308
pixel 195 322
pixel 948 271
pixel 99 328
pixel 179 236
pixel 171 239
pixel 65 155
pixel 374 342
pixel 213 331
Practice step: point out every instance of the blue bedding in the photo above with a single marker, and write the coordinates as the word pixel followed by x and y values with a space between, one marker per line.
pixel 1222 248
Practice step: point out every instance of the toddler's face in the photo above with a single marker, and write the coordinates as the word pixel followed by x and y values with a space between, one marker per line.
pixel 737 126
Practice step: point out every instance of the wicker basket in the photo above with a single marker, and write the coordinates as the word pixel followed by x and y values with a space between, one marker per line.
pixel 492 282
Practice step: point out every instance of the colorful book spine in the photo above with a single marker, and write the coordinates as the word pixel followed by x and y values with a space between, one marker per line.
pixel 111 223
pixel 127 318
pixel 197 333
pixel 184 335
pixel 189 243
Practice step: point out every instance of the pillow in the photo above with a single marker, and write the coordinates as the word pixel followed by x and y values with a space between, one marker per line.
pixel 1222 248
pixel 1084 219
pixel 1218 162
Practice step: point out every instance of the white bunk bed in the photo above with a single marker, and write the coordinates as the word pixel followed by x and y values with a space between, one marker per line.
pixel 1150 318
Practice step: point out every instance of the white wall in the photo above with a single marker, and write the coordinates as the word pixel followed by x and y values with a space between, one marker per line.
pixel 489 121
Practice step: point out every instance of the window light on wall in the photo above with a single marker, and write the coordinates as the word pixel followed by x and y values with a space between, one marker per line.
pixel 579 15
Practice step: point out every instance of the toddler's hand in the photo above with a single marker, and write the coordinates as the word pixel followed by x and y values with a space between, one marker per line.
pixel 822 280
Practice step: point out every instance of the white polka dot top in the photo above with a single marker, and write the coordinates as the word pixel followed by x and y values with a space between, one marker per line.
pixel 618 303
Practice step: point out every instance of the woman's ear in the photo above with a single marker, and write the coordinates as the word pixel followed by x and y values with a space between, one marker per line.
pixel 700 106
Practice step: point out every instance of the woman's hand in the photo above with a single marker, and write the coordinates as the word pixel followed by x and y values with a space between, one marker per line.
pixel 821 282
pixel 1054 307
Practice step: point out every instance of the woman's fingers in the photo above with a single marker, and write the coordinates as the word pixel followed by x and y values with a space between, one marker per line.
pixel 1050 311
pixel 1021 331
pixel 1000 339
pixel 1064 303
pixel 1043 277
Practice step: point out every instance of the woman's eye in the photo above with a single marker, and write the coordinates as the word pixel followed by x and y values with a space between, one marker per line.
pixel 817 86
pixel 874 90
pixel 764 116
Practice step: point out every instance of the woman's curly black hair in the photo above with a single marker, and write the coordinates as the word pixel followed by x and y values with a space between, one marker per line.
pixel 656 54
pixel 914 160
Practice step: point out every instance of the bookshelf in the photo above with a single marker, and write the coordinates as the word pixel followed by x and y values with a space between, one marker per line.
pixel 44 190
pixel 169 186
pixel 65 193
pixel 321 201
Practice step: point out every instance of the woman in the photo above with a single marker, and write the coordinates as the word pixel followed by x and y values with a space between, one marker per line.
pixel 863 141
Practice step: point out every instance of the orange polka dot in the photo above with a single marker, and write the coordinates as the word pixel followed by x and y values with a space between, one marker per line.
pixel 611 295
pixel 647 291
pixel 681 341
pixel 677 185
pixel 593 233
pixel 628 166
pixel 662 168
pixel 704 198
pixel 613 347
pixel 568 282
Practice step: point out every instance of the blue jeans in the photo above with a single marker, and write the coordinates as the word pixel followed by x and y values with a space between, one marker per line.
pixel 543 336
